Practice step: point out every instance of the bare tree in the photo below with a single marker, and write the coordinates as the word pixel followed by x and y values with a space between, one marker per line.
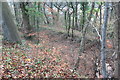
pixel 103 41
pixel 82 43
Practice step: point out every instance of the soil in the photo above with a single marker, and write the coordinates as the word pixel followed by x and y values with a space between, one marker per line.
pixel 69 50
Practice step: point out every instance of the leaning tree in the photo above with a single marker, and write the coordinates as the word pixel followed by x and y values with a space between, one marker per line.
pixel 9 28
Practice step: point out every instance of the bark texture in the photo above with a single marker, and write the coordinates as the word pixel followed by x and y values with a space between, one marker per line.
pixel 9 27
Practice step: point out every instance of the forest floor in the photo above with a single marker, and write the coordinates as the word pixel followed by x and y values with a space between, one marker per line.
pixel 53 56
pixel 69 50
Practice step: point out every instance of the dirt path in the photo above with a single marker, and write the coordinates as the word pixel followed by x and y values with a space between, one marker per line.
pixel 69 51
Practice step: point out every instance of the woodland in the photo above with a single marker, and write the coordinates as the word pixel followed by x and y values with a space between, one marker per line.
pixel 63 40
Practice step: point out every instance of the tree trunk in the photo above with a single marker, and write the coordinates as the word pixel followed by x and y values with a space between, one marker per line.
pixel 16 9
pixel 82 43
pixel 117 25
pixel 47 21
pixel 83 13
pixel 51 6
pixel 69 20
pixel 100 17
pixel 9 27
pixel 103 41
pixel 25 16
pixel 65 17
pixel 73 20
pixel 1 36
pixel 76 19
